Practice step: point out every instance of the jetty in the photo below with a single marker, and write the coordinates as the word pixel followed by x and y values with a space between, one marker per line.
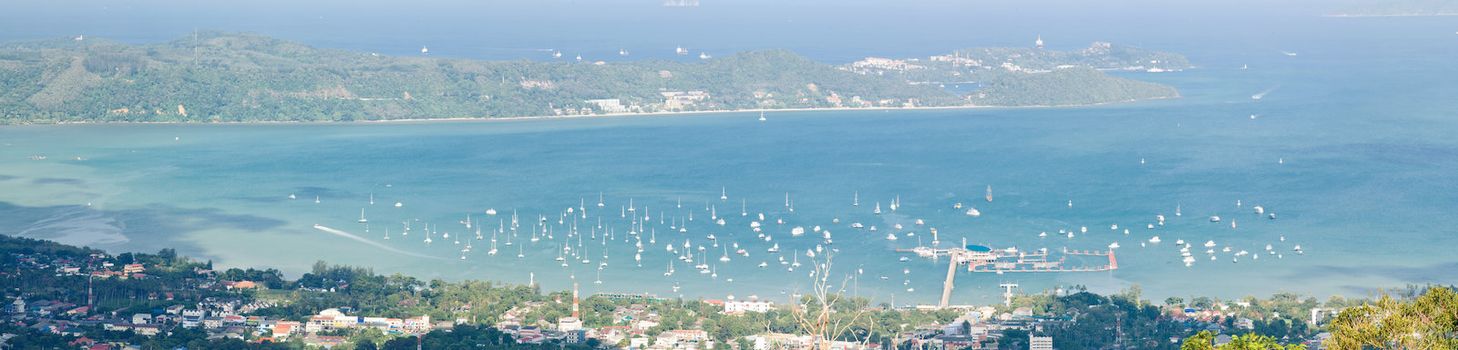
pixel 984 259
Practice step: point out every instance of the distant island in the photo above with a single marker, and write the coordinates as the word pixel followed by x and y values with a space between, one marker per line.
pixel 1014 77
pixel 224 77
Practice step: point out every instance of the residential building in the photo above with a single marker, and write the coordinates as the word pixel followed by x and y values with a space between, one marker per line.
pixel 16 307
pixel 735 307
pixel 1040 343
pixel 609 105
pixel 192 317
pixel 283 329
pixel 568 324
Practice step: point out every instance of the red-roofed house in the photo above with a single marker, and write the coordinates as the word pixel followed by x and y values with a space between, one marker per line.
pixel 82 341
pixel 283 329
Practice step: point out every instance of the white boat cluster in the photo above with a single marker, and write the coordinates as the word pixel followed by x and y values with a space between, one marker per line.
pixel 709 243
pixel 701 239
pixel 1212 249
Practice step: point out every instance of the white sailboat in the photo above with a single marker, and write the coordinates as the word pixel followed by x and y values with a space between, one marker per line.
pixel 362 216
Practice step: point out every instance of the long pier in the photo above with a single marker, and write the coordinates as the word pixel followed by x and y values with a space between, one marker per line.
pixel 1062 269
pixel 986 260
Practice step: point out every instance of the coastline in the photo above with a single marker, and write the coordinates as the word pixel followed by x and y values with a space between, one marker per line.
pixel 589 116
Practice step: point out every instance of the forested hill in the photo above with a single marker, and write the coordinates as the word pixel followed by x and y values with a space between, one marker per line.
pixel 242 77
pixel 230 77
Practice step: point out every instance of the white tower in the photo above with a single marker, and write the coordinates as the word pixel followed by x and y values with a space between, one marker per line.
pixel 1039 42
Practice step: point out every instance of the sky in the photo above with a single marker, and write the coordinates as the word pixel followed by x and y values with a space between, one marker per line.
pixel 499 28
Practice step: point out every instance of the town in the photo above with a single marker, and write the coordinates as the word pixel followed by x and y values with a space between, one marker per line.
pixel 88 299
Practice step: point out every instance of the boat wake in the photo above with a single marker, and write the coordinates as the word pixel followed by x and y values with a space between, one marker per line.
pixel 1263 94
pixel 369 242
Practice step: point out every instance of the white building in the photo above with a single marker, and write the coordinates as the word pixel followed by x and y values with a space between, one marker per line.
pixel 733 307
pixel 677 100
pixel 880 63
pixel 568 324
pixel 1040 343
pixel 16 307
pixel 776 341
pixel 609 105
pixel 192 317
pixel 1319 314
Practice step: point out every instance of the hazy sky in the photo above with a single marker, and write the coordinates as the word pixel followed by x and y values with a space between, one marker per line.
pixel 809 25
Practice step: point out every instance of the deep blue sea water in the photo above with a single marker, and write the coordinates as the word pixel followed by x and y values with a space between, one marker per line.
pixel 1352 147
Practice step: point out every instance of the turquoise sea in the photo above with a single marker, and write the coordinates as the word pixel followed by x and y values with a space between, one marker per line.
pixel 1352 147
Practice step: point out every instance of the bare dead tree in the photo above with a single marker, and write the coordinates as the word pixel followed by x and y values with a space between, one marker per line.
pixel 816 312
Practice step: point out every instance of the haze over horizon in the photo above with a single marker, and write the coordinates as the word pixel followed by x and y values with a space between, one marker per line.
pixel 826 30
